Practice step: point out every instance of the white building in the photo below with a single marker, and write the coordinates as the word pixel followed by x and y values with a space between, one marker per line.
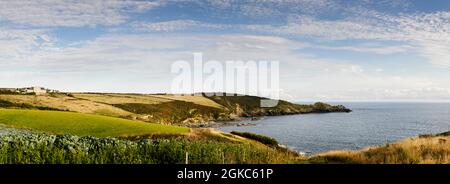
pixel 30 90
pixel 36 90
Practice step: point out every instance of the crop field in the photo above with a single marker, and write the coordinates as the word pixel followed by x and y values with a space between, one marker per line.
pixel 145 99
pixel 63 102
pixel 200 100
pixel 121 98
pixel 82 124
pixel 102 103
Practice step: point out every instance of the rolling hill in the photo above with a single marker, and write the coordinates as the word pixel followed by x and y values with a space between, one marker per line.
pixel 188 110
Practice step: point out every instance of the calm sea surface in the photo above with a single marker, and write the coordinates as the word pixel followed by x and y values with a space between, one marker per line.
pixel 368 124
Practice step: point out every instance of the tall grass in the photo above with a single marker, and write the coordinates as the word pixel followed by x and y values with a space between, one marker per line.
pixel 420 150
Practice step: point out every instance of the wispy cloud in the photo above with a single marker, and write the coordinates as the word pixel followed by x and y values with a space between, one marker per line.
pixel 70 13
pixel 427 34
pixel 377 49
pixel 19 43
pixel 138 54
pixel 175 25
pixel 262 7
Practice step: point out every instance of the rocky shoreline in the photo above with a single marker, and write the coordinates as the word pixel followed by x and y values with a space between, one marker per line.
pixel 235 120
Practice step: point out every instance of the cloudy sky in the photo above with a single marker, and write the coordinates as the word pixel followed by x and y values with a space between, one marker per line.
pixel 327 49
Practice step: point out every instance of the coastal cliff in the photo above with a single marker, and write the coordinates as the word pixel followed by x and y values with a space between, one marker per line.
pixel 198 110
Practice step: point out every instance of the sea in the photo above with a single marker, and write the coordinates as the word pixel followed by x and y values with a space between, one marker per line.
pixel 370 123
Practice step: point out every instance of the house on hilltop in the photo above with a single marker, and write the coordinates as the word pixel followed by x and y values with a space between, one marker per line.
pixel 27 90
pixel 36 90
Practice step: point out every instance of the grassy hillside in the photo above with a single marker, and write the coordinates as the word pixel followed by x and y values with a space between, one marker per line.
pixel 8 104
pixel 428 149
pixel 197 99
pixel 163 108
pixel 120 98
pixel 144 98
pixel 66 103
pixel 173 112
pixel 82 124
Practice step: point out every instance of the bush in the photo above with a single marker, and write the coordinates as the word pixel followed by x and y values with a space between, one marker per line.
pixel 260 138
pixel 8 104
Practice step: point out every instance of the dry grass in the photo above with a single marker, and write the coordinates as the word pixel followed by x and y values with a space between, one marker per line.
pixel 106 103
pixel 63 102
pixel 200 100
pixel 145 99
pixel 121 98
pixel 424 150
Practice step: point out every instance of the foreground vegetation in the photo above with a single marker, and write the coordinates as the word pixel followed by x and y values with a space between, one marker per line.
pixel 425 149
pixel 25 147
pixel 82 124
pixel 205 146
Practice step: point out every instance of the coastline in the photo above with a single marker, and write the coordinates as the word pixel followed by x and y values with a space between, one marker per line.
pixel 236 120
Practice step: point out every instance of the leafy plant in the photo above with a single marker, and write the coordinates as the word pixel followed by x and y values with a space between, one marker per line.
pixel 24 147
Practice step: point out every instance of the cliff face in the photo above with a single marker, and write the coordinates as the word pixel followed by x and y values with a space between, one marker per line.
pixel 230 108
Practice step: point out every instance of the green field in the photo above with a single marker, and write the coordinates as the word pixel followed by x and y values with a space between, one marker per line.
pixel 82 124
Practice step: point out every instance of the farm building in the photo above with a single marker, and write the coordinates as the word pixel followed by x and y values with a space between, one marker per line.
pixel 28 90
pixel 36 90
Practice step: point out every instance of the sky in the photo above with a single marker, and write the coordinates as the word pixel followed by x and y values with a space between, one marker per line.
pixel 329 50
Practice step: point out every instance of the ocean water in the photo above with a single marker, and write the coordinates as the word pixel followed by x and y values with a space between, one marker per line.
pixel 369 124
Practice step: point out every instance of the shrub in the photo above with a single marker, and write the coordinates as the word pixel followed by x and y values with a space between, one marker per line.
pixel 260 138
pixel 8 104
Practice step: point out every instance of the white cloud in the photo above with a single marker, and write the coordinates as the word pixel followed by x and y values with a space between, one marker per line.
pixel 117 50
pixel 175 25
pixel 372 86
pixel 384 50
pixel 149 56
pixel 145 60
pixel 428 34
pixel 70 13
pixel 18 43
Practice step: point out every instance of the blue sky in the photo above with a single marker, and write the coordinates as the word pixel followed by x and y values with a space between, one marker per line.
pixel 328 49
